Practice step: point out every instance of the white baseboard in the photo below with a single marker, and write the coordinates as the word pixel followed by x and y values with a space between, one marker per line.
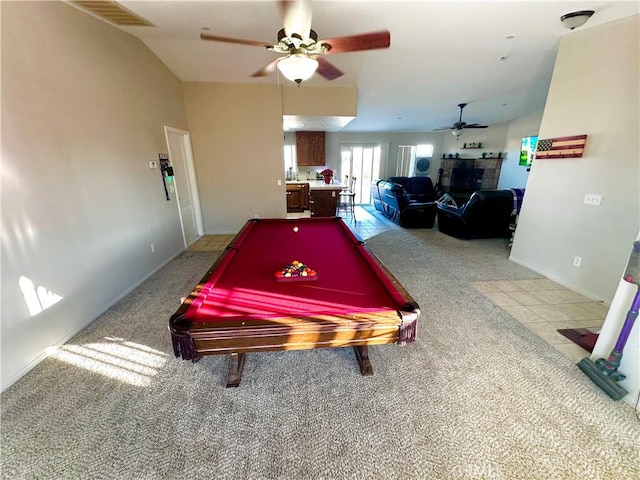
pixel 559 281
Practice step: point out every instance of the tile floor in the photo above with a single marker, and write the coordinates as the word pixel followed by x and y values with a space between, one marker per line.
pixel 544 307
pixel 541 305
pixel 211 243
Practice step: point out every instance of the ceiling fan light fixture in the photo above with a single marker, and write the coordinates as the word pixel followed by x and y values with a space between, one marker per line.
pixel 576 19
pixel 298 67
pixel 457 133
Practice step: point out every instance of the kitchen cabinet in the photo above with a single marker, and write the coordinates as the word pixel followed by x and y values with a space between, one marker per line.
pixel 324 202
pixel 310 148
pixel 297 197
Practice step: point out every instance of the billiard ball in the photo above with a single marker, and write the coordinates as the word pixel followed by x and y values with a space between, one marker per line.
pixel 295 229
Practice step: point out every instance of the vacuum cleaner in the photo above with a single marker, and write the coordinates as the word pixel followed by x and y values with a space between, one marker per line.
pixel 604 372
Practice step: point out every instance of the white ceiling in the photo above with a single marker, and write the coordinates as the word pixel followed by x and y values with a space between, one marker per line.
pixel 442 52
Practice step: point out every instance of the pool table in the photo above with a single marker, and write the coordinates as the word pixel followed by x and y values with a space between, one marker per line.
pixel 240 306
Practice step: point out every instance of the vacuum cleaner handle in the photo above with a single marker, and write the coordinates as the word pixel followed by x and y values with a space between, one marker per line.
pixel 632 314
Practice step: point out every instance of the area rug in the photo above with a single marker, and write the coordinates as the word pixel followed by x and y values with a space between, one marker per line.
pixel 583 337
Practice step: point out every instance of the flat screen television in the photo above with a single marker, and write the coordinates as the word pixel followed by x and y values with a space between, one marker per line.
pixel 528 150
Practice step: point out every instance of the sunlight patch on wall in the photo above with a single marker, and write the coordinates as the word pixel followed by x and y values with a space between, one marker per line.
pixel 37 299
pixel 116 358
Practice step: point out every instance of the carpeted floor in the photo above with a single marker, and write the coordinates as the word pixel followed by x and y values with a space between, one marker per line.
pixel 477 396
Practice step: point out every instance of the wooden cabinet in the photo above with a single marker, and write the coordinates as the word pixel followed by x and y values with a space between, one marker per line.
pixel 297 197
pixel 310 148
pixel 323 203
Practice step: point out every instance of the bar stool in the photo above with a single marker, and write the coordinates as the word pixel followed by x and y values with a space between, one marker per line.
pixel 347 200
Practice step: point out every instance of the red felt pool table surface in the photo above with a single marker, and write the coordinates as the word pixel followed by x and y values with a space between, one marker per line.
pixel 240 307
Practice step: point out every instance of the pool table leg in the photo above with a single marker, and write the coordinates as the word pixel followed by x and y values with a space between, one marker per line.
pixel 362 355
pixel 236 365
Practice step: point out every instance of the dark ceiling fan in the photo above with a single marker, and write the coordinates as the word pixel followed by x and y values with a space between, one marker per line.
pixel 458 126
pixel 302 51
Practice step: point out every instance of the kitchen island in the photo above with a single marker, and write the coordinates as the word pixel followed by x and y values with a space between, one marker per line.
pixel 323 197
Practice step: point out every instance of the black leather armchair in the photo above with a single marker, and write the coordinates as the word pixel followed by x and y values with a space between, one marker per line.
pixel 395 204
pixel 487 214
pixel 375 196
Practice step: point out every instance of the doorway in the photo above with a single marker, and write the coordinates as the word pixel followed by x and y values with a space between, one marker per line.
pixel 188 199
pixel 362 162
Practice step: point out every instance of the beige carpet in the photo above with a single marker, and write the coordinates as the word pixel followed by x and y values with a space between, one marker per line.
pixel 477 396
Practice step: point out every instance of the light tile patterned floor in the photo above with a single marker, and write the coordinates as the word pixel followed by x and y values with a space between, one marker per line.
pixel 211 243
pixel 541 305
pixel 544 307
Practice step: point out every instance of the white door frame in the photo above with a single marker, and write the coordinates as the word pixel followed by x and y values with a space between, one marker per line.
pixel 191 173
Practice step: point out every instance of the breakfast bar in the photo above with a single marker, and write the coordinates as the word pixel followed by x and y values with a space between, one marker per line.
pixel 322 198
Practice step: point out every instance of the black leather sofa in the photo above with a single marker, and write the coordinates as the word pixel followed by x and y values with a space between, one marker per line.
pixel 418 189
pixel 395 203
pixel 487 214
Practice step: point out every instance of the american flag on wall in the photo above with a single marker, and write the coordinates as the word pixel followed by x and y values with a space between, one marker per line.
pixel 562 147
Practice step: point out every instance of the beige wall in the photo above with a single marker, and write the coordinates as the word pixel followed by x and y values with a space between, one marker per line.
pixel 237 139
pixel 320 101
pixel 594 91
pixel 83 110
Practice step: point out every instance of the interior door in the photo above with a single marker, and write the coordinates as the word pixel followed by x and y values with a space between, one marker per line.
pixel 179 145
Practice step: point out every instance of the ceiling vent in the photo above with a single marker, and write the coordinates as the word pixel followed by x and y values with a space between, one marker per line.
pixel 112 12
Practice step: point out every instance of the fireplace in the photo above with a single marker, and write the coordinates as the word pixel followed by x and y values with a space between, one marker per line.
pixel 466 180
pixel 471 174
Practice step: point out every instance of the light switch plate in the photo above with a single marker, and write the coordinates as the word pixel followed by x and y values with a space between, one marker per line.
pixel 153 164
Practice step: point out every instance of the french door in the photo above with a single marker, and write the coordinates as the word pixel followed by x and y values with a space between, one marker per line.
pixel 363 162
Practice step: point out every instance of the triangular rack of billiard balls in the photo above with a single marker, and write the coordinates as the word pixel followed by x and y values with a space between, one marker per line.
pixel 296 272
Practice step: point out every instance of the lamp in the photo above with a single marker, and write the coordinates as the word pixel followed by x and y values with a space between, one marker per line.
pixel 297 67
pixel 576 19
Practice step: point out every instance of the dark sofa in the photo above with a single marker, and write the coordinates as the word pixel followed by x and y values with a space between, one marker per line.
pixel 418 189
pixel 487 214
pixel 392 200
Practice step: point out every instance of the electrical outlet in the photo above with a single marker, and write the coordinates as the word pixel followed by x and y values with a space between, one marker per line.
pixel 592 199
pixel 577 261
pixel 153 248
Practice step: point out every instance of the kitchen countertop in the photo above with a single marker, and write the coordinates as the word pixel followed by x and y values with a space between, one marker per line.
pixel 318 184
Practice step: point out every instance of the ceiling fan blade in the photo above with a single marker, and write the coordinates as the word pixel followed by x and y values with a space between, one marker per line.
pixel 443 128
pixel 355 43
pixel 217 38
pixel 327 70
pixel 296 17
pixel 267 69
pixel 475 125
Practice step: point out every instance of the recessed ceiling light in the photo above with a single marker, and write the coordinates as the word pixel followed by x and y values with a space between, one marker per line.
pixel 510 37
pixel 206 28
pixel 502 58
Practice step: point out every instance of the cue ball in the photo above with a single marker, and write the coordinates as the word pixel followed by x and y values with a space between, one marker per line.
pixel 295 229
